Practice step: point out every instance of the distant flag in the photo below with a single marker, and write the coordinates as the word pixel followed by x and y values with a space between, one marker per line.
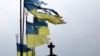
pixel 26 51
pixel 33 5
pixel 37 33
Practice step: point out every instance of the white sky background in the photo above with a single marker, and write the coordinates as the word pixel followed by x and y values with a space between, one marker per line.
pixel 79 37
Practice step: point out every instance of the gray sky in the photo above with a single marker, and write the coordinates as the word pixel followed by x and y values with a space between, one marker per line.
pixel 79 37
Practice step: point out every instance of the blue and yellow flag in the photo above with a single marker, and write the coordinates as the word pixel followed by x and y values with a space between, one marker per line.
pixel 37 33
pixel 26 51
pixel 33 5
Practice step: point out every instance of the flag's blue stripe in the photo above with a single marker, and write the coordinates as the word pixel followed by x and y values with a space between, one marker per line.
pixel 32 28
pixel 29 4
pixel 25 49
pixel 40 23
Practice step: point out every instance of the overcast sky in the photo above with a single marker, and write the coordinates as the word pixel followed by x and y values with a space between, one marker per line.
pixel 79 37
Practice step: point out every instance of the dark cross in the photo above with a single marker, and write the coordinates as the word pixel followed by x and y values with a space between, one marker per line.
pixel 51 46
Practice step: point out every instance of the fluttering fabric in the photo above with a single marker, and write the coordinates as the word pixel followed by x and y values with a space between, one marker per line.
pixel 37 33
pixel 33 5
pixel 26 51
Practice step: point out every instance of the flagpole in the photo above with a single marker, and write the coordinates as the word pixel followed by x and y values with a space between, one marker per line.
pixel 21 30
pixel 33 51
pixel 23 19
pixel 17 41
pixel 25 13
pixel 16 38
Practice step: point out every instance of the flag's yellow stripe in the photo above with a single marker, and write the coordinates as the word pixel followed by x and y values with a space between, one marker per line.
pixel 43 30
pixel 50 18
pixel 29 53
pixel 34 40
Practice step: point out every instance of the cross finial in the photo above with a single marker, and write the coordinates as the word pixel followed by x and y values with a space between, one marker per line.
pixel 51 46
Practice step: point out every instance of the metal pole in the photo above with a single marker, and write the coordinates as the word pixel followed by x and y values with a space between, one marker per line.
pixel 16 38
pixel 25 18
pixel 21 30
pixel 33 51
pixel 17 41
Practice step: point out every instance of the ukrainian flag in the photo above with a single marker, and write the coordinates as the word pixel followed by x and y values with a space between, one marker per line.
pixel 37 33
pixel 26 51
pixel 33 5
